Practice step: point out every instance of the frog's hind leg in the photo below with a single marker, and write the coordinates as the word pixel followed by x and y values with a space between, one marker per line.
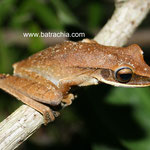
pixel 20 88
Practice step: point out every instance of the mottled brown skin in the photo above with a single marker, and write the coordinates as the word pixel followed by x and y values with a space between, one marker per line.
pixel 46 77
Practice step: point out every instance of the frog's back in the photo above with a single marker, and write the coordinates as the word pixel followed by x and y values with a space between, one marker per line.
pixel 75 54
pixel 54 55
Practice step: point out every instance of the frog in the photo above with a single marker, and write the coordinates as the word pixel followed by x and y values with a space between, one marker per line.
pixel 44 80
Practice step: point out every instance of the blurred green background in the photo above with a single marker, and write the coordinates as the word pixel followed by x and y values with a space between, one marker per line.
pixel 102 117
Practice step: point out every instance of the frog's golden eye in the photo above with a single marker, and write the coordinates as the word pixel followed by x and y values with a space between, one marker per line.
pixel 123 74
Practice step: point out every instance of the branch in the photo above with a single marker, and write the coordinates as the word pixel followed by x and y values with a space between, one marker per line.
pixel 25 121
pixel 127 16
pixel 19 126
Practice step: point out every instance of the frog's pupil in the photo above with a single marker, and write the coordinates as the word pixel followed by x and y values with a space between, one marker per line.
pixel 125 77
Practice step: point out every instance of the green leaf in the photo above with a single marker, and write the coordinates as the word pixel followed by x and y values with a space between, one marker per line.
pixel 22 15
pixel 36 43
pixel 47 15
pixel 6 7
pixel 64 13
pixel 39 9
pixel 94 14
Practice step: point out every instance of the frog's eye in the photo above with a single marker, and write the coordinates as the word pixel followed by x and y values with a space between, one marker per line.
pixel 123 74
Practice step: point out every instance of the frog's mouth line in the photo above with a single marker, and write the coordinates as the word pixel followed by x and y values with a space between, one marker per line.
pixel 127 85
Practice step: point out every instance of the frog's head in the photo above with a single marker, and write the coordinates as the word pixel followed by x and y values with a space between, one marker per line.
pixel 124 67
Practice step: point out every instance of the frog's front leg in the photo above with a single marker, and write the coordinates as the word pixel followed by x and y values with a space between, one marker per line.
pixel 67 100
pixel 32 93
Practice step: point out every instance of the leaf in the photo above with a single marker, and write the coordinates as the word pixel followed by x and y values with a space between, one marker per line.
pixel 94 14
pixel 64 13
pixel 36 43
pixel 47 16
pixel 6 6
pixel 39 9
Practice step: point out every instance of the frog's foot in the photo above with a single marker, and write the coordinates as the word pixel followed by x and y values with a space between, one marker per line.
pixel 67 100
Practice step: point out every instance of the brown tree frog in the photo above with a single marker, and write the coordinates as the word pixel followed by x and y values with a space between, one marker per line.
pixel 47 76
